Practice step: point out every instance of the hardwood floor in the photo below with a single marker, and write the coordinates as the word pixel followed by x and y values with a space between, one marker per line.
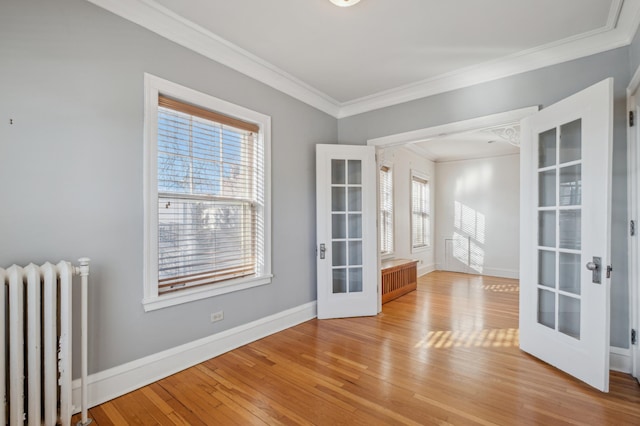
pixel 444 354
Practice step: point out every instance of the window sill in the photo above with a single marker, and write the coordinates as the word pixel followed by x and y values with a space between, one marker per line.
pixel 203 292
pixel 420 249
pixel 387 256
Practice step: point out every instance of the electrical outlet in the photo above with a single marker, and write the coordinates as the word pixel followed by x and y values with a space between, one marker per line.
pixel 217 316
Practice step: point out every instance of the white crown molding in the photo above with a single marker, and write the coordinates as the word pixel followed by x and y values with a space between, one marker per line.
pixel 609 37
pixel 172 26
pixel 623 21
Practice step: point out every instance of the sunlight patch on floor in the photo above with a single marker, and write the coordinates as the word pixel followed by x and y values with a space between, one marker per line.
pixel 487 338
pixel 501 288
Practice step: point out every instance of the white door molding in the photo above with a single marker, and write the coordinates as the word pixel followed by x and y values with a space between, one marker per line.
pixel 633 184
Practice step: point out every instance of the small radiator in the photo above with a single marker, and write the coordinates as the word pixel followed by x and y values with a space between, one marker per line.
pixel 35 339
pixel 399 277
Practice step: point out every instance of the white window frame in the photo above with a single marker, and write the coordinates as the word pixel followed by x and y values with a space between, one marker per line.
pixel 422 176
pixel 387 254
pixel 153 87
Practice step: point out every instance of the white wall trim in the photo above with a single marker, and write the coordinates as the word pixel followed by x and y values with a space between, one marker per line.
pixel 620 359
pixel 117 381
pixel 486 272
pixel 619 31
pixel 501 273
pixel 162 21
pixel 633 183
pixel 426 269
pixel 422 135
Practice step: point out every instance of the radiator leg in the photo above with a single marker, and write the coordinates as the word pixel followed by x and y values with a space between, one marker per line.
pixel 84 275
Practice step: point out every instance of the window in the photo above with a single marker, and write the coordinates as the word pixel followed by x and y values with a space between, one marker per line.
pixel 386 210
pixel 420 215
pixel 206 196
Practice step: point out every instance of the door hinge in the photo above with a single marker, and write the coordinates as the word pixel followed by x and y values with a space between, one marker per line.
pixel 634 337
pixel 632 227
pixel 631 119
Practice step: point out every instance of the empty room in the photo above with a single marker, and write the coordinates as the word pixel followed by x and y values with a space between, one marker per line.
pixel 319 212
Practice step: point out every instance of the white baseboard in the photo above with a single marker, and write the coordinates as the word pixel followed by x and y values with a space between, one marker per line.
pixel 117 381
pixel 425 269
pixel 491 272
pixel 620 359
pixel 502 273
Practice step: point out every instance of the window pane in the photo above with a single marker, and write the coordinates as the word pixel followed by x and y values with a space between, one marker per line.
pixel 196 237
pixel 210 199
pixel 420 212
pixel 386 210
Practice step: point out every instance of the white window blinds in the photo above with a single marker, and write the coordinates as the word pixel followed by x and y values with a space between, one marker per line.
pixel 420 223
pixel 210 196
pixel 386 210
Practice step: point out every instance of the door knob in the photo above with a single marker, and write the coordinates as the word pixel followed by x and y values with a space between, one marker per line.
pixel 594 267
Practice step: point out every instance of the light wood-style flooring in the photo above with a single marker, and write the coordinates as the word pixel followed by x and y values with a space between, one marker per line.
pixel 444 354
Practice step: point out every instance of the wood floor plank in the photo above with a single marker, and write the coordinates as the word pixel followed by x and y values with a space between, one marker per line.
pixel 446 354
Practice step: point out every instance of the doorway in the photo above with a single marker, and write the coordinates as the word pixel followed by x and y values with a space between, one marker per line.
pixel 489 165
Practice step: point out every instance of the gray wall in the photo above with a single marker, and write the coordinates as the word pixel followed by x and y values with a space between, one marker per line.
pixel 540 87
pixel 634 54
pixel 71 78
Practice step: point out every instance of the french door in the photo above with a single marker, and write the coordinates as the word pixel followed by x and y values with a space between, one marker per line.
pixel 347 245
pixel 565 234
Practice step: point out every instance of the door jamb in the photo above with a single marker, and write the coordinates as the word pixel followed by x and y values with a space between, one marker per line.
pixel 633 184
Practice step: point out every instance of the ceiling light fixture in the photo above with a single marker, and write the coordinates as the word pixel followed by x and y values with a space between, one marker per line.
pixel 344 3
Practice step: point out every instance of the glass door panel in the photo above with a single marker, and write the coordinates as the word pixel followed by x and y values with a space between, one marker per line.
pixel 570 273
pixel 547 268
pixel 547 308
pixel 571 141
pixel 547 148
pixel 571 185
pixel 547 188
pixel 569 316
pixel 560 233
pixel 346 233
pixel 547 229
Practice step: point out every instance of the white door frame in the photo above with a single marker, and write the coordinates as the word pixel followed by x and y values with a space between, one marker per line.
pixel 429 133
pixel 435 132
pixel 633 185
pixel 620 358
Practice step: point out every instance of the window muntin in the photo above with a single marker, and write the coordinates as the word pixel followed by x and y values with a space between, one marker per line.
pixel 206 196
pixel 420 213
pixel 386 210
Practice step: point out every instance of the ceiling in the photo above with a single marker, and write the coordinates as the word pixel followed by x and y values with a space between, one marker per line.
pixel 493 142
pixel 382 52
